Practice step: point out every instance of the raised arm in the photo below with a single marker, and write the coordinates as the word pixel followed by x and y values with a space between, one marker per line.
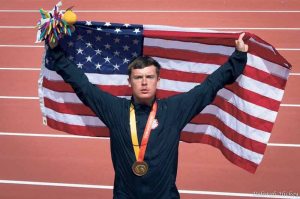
pixel 100 102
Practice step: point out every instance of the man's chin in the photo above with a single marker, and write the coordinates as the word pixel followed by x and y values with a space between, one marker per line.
pixel 144 99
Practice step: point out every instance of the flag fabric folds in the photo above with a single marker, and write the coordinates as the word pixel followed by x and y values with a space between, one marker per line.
pixel 238 122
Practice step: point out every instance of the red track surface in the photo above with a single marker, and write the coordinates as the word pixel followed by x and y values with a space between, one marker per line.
pixel 87 161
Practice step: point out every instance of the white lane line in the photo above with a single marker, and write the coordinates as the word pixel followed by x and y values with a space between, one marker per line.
pixel 194 192
pixel 18 27
pixel 52 135
pixel 26 69
pixel 38 69
pixel 283 145
pixel 290 105
pixel 56 184
pixel 21 46
pixel 287 49
pixel 165 11
pixel 24 134
pixel 19 97
pixel 212 28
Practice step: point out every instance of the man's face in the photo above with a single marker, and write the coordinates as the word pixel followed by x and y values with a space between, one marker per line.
pixel 144 83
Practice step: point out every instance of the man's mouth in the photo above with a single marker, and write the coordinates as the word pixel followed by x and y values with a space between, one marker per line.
pixel 144 91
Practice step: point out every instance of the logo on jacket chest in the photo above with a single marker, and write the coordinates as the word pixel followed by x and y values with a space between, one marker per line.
pixel 154 124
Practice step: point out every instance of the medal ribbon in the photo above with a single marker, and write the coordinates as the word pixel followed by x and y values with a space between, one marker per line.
pixel 140 151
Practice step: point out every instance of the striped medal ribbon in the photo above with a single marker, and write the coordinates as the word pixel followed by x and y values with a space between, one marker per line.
pixel 140 167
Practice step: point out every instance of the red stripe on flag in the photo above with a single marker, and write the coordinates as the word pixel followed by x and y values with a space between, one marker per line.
pixel 78 130
pixel 68 108
pixel 264 77
pixel 185 55
pixel 232 157
pixel 224 39
pixel 182 76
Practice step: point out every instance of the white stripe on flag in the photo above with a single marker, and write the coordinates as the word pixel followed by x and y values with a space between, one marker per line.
pixel 178 86
pixel 61 97
pixel 179 29
pixel 184 66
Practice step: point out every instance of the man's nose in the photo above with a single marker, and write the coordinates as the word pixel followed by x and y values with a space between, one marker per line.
pixel 144 80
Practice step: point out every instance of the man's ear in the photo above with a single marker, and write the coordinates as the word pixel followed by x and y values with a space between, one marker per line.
pixel 129 82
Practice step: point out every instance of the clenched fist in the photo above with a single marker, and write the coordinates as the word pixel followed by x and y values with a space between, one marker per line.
pixel 240 44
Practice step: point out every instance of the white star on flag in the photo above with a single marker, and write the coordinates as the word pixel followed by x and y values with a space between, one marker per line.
pixel 107 59
pixel 107 24
pixel 98 38
pixel 88 45
pixel 117 30
pixel 88 59
pixel 70 44
pixel 79 37
pixel 79 51
pixel 79 65
pixel 135 41
pixel 107 46
pixel 88 23
pixel 126 48
pixel 116 53
pixel 136 30
pixel 116 67
pixel 98 52
pixel 98 66
pixel 134 54
pixel 125 61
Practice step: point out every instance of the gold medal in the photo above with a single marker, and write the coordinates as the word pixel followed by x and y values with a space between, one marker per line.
pixel 140 168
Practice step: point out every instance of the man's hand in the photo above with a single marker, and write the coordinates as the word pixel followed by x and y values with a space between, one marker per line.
pixel 240 45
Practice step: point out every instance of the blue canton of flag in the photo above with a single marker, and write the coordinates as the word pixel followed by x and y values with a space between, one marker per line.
pixel 106 48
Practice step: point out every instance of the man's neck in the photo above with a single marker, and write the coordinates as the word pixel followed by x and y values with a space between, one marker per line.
pixel 147 102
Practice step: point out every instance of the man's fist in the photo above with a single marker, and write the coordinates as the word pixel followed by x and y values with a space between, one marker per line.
pixel 240 44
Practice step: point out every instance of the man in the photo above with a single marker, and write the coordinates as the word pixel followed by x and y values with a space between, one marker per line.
pixel 145 131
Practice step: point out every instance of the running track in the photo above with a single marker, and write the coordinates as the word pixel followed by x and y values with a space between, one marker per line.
pixel 38 162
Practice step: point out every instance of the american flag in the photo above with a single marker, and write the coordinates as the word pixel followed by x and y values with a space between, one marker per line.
pixel 238 122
